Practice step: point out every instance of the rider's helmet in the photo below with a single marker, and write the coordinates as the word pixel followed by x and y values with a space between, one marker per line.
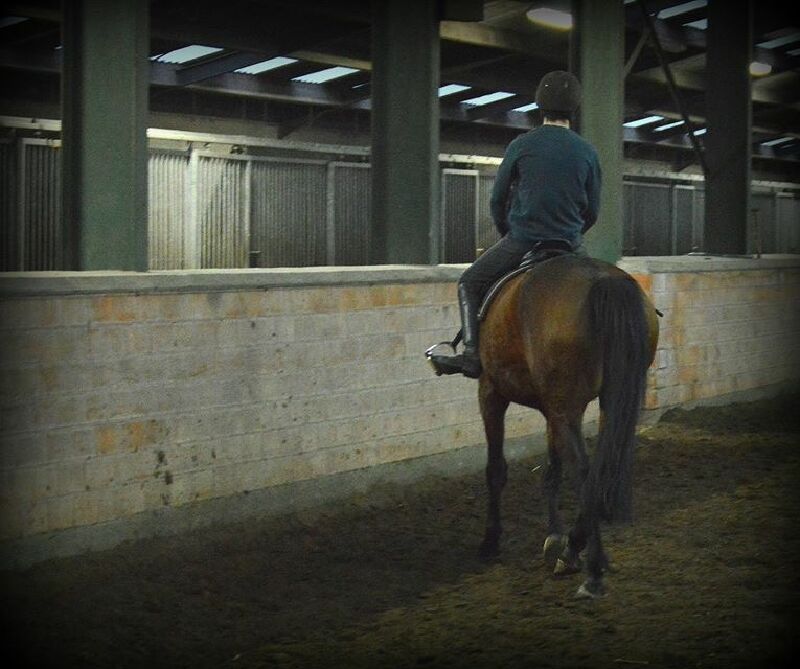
pixel 559 94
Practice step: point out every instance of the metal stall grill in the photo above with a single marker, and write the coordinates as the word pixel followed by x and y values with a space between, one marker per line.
pixel 459 215
pixel 215 210
pixel 648 219
pixel 289 213
pixel 349 212
pixel 762 233
pixel 39 236
pixel 699 218
pixel 166 213
pixel 683 219
pixel 8 207
pixel 486 234
pixel 222 212
pixel 787 213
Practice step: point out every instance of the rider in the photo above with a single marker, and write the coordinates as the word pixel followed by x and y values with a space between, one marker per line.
pixel 547 188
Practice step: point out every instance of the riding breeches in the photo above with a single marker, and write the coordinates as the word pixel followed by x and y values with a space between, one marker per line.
pixel 495 262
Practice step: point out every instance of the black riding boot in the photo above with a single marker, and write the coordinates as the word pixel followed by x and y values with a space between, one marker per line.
pixel 467 363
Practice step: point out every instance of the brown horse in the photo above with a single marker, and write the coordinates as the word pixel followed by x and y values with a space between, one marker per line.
pixel 568 331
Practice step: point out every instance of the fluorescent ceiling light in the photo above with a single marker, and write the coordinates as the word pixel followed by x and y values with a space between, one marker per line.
pixel 186 54
pixel 643 121
pixel 321 76
pixel 702 24
pixel 449 89
pixel 775 142
pixel 488 99
pixel 677 10
pixel 667 126
pixel 7 21
pixel 760 69
pixel 780 41
pixel 702 131
pixel 552 18
pixel 526 108
pixel 265 65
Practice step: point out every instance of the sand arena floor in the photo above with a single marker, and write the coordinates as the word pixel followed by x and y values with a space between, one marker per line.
pixel 707 576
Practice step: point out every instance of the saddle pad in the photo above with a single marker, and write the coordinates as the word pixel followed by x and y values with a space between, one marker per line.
pixel 528 262
pixel 495 289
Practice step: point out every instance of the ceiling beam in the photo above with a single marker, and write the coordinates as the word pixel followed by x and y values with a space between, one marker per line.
pixel 545 44
pixel 32 11
pixel 31 61
pixel 495 108
pixel 687 17
pixel 685 42
pixel 207 69
pixel 252 86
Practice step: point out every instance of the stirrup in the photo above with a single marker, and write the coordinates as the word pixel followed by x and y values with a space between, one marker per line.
pixel 453 364
pixel 431 357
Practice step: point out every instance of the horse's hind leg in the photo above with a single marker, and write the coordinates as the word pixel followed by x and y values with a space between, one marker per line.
pixel 567 436
pixel 596 560
pixel 586 533
pixel 493 411
pixel 555 542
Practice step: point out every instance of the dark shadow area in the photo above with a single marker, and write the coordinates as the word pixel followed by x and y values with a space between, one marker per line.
pixel 393 579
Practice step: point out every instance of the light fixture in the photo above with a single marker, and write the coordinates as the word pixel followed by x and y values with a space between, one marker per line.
pixel 450 89
pixel 667 126
pixel 185 54
pixel 487 99
pixel 643 121
pixel 266 65
pixel 776 142
pixel 321 76
pixel 758 69
pixel 551 18
pixel 700 24
pixel 780 41
pixel 6 21
pixel 677 10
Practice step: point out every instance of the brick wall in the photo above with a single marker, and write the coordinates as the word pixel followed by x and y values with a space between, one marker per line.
pixel 729 325
pixel 118 403
pixel 129 393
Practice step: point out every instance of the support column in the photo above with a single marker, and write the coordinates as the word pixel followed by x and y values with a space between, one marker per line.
pixel 597 56
pixel 104 103
pixel 405 132
pixel 729 116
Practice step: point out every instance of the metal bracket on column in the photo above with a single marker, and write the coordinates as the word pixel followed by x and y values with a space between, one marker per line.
pixel 637 50
pixel 673 89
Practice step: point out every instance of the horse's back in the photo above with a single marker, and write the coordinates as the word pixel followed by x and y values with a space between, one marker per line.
pixel 537 340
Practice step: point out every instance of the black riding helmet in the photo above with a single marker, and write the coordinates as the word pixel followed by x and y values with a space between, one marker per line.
pixel 559 92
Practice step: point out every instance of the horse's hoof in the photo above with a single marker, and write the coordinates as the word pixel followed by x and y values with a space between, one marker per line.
pixel 554 546
pixel 591 590
pixel 567 567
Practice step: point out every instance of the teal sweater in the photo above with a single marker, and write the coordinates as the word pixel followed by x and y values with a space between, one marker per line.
pixel 547 187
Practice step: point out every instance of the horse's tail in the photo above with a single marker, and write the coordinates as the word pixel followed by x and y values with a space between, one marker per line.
pixel 619 322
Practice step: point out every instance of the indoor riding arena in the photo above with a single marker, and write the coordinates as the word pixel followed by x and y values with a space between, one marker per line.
pixel 229 232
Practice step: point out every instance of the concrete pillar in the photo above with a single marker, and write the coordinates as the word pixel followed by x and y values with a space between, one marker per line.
pixel 104 99
pixel 405 132
pixel 729 117
pixel 597 56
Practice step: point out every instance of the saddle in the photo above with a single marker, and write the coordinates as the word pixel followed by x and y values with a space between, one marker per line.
pixel 544 250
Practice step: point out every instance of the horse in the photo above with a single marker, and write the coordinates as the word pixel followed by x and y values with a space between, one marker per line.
pixel 568 331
